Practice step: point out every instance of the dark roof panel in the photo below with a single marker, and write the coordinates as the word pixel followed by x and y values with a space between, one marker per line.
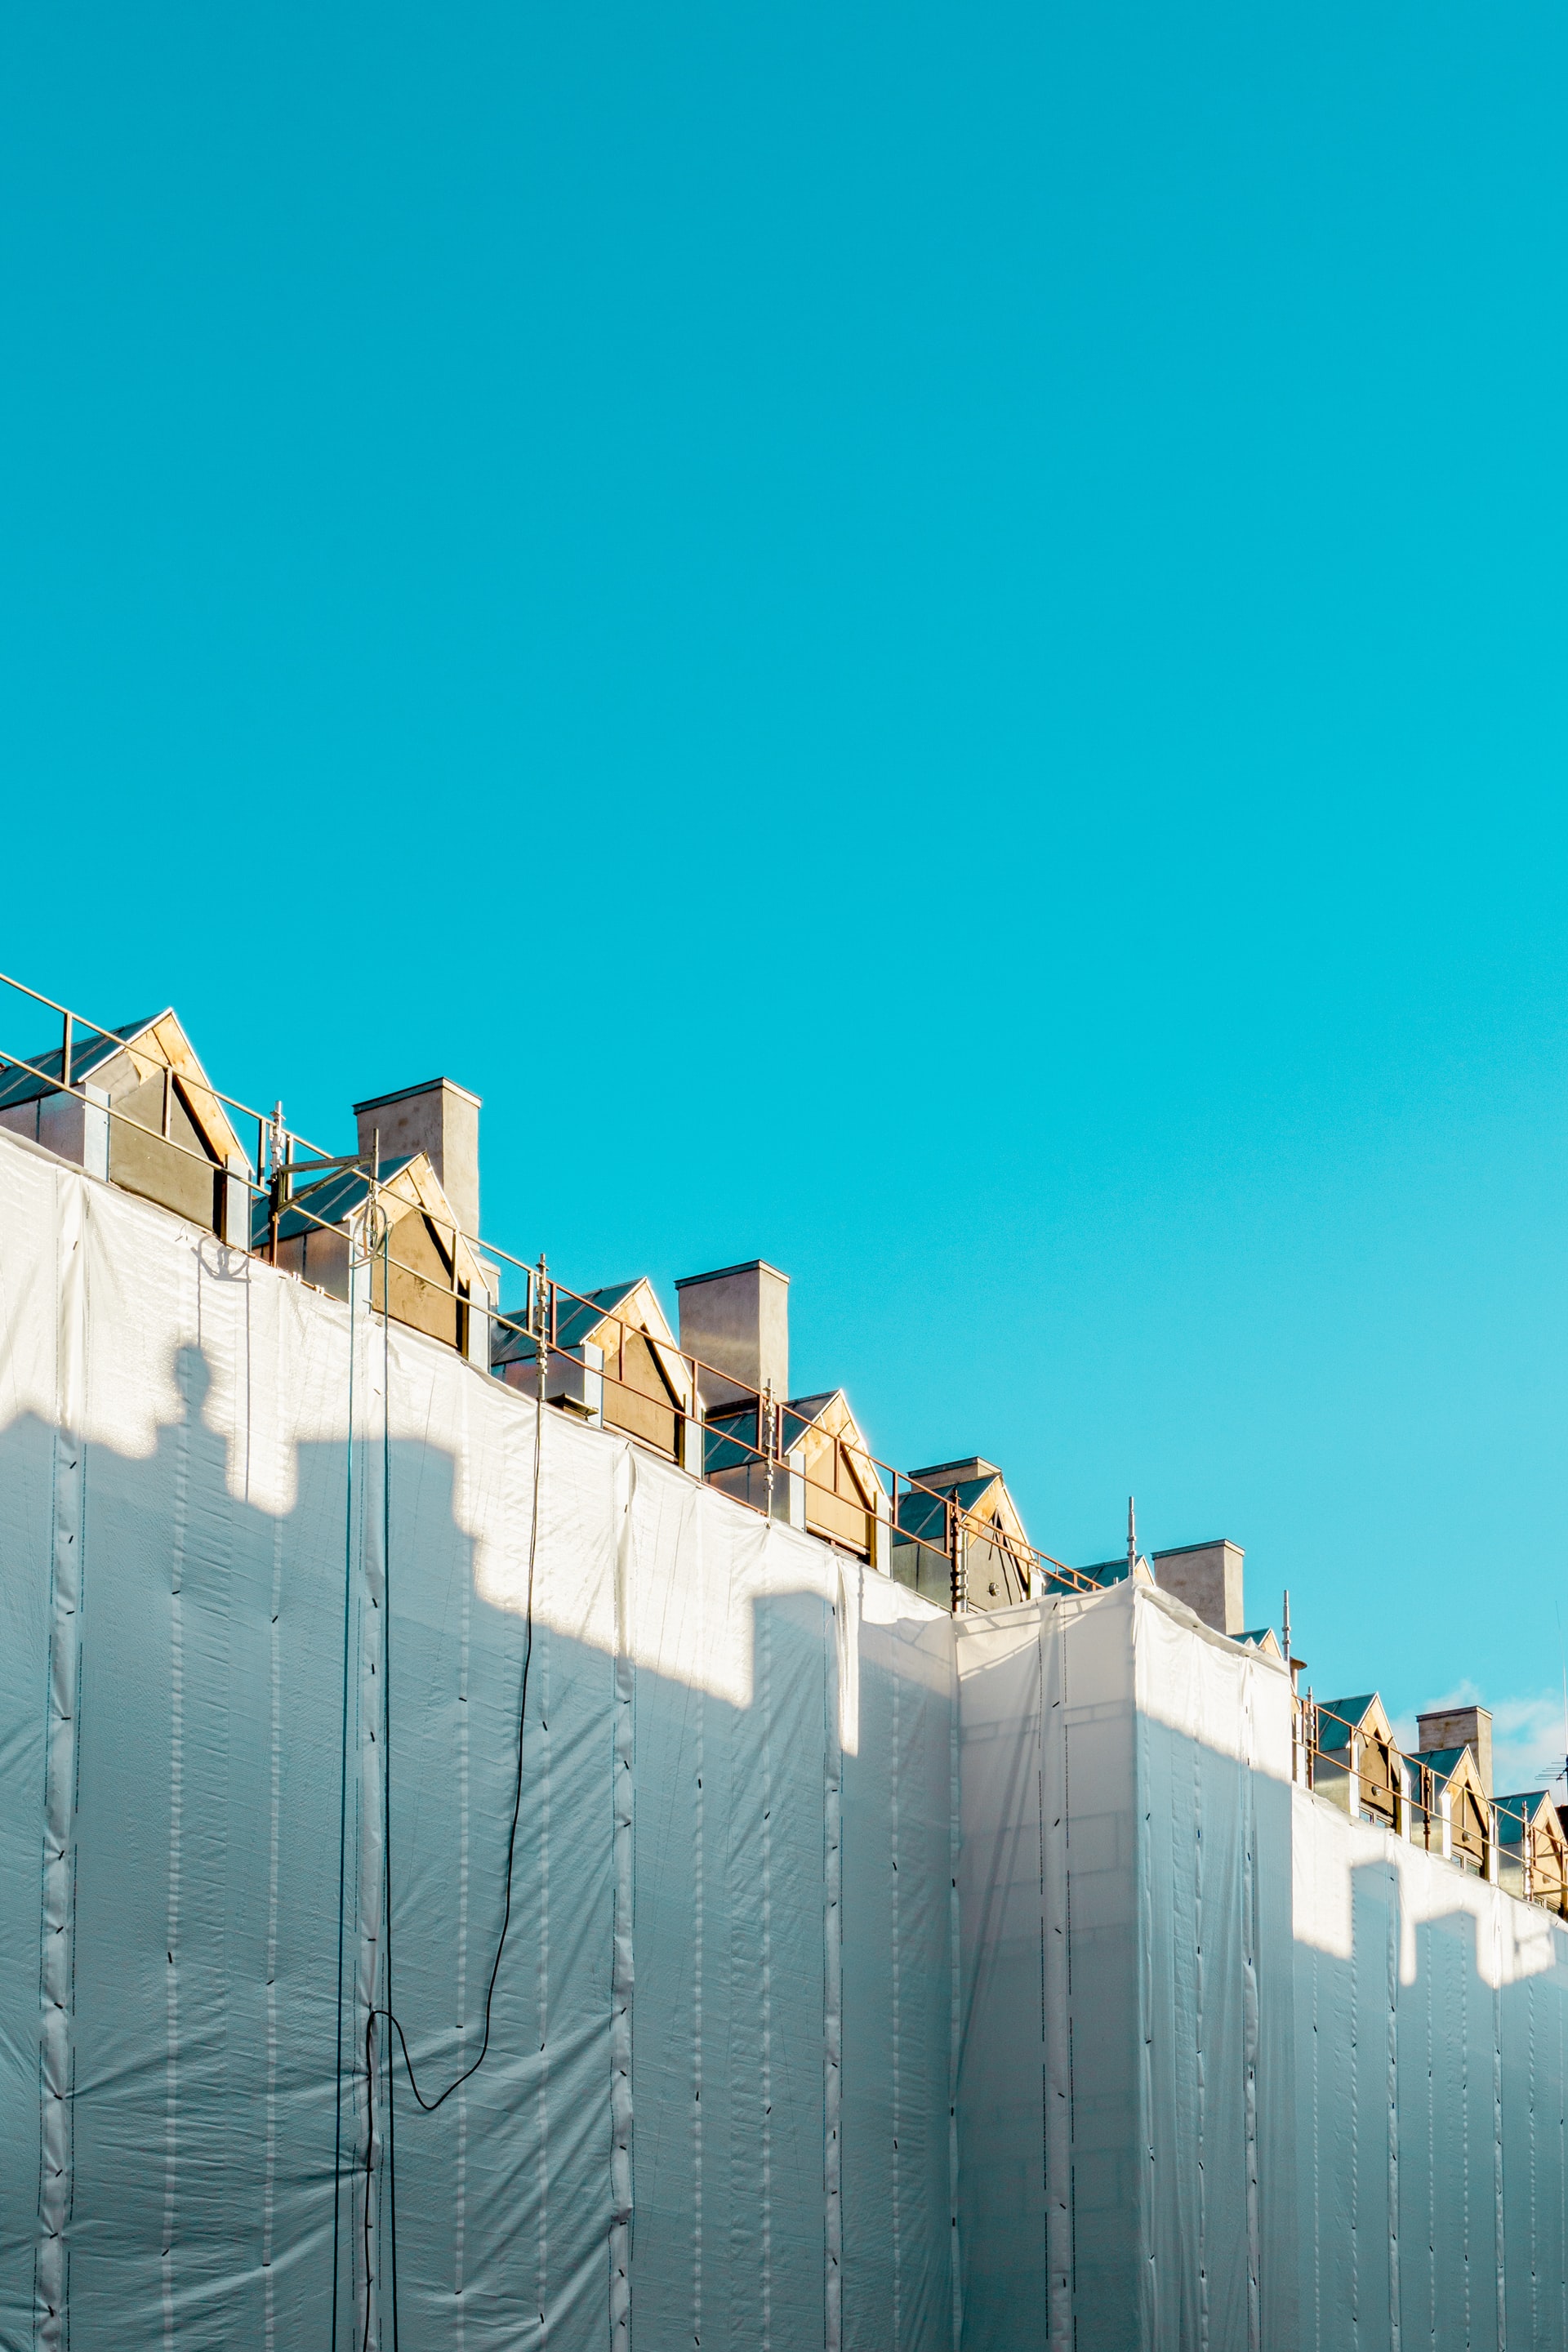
pixel 89 1050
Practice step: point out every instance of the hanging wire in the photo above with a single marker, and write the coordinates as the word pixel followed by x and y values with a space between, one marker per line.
pixel 388 2012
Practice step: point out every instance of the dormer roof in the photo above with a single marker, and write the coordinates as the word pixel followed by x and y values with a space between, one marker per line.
pixel 120 1060
pixel 1338 1718
pixel 597 1319
pixel 339 1198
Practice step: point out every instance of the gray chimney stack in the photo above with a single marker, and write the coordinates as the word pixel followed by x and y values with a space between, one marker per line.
pixel 1460 1726
pixel 736 1319
pixel 1207 1576
pixel 440 1120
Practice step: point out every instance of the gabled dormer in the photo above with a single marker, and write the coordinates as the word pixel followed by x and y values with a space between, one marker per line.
pixel 1533 1851
pixel 1358 1762
pixel 136 1106
pixel 613 1360
pixel 1451 1813
pixel 967 1500
pixel 835 1490
pixel 421 1268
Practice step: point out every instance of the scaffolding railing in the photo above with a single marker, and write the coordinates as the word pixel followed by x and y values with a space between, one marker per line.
pixel 1376 1780
pixel 765 1470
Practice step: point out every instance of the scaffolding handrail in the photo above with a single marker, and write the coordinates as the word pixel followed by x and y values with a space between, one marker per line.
pixel 1424 1808
pixel 276 1170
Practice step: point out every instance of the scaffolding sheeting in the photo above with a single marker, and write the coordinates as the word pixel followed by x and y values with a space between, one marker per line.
pixel 1237 2070
pixel 1125 1896
pixel 1432 2034
pixel 1164 2053
pixel 715 2101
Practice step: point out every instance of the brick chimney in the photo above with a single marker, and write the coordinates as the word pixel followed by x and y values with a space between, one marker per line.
pixel 1207 1576
pixel 1460 1726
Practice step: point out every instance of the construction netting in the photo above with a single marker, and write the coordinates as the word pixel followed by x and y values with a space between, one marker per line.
pixel 272 1576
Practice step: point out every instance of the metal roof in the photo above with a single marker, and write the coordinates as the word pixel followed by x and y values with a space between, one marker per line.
pixel 89 1050
pixel 1338 1717
pixel 575 1318
pixel 330 1203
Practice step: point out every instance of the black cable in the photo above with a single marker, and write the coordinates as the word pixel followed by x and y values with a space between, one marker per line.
pixel 430 2105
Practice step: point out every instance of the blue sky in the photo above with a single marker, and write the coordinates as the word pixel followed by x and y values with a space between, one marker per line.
pixel 926 642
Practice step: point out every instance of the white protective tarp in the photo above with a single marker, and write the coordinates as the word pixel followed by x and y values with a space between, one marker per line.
pixel 251 1673
pixel 1432 2031
pixel 1127 2173
pixel 851 1997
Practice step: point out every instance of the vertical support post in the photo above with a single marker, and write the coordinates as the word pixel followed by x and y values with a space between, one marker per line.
pixel 767 1436
pixel 958 1554
pixel 278 1180
pixel 236 1204
pixel 1310 1735
pixel 66 1052
pixel 542 1318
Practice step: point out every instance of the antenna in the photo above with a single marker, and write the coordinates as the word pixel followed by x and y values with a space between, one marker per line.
pixel 1131 1534
pixel 1289 1665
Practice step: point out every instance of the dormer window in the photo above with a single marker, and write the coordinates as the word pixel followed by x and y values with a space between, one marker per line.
pixel 140 1110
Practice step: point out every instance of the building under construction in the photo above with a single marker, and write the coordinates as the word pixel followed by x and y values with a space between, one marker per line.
pixel 520 1828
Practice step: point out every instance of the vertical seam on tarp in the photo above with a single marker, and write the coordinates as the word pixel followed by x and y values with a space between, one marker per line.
pixel 176 1840
pixel 274 1830
pixel 543 2159
pixel 954 2011
pixel 765 1696
pixel 461 2220
pixel 1494 1905
pixel 895 1963
pixel 1142 1778
pixel 56 1920
pixel 1429 2005
pixel 1315 1966
pixel 1463 1977
pixel 1250 2000
pixel 1055 2025
pixel 699 1930
pixel 1201 2102
pixel 1529 1991
pixel 371 1765
pixel 832 1965
pixel 1392 2098
pixel 1353 2315
pixel 621 1984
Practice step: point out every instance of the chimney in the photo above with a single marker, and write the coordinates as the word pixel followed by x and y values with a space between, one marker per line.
pixel 1460 1726
pixel 737 1320
pixel 440 1120
pixel 1207 1576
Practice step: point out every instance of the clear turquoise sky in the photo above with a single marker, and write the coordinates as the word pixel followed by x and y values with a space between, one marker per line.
pixel 926 641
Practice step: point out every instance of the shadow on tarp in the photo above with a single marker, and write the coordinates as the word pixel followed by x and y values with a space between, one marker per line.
pixel 1183 2122
pixel 1430 2111
pixel 217 2088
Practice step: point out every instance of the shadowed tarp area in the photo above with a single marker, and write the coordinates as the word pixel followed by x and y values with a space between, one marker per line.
pixel 714 2105
pixel 1235 2069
